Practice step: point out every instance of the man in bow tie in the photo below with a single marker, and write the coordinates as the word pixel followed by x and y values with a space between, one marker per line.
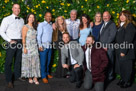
pixel 10 31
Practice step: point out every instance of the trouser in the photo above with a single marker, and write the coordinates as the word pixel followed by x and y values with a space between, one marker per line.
pixel 110 68
pixel 88 82
pixel 76 74
pixel 125 67
pixel 45 58
pixel 13 51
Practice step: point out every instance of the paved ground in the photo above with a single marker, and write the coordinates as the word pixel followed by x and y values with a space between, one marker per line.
pixel 55 84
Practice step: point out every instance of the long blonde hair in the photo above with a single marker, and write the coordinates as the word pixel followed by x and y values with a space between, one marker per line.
pixel 55 32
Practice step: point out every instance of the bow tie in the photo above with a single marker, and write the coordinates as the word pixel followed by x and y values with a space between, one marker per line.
pixel 17 17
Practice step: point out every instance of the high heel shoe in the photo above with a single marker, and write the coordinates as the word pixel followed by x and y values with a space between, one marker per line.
pixel 36 82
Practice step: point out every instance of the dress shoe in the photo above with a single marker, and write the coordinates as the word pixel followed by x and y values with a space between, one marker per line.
pixel 126 85
pixel 45 80
pixel 78 84
pixel 10 85
pixel 49 76
pixel 120 83
pixel 21 79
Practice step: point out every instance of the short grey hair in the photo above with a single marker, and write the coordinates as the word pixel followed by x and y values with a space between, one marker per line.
pixel 73 10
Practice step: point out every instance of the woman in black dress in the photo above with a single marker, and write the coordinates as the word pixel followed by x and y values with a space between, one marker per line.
pixel 125 55
pixel 57 38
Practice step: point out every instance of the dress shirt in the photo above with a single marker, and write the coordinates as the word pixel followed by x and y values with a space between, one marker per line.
pixel 122 23
pixel 103 26
pixel 11 28
pixel 44 36
pixel 88 58
pixel 73 28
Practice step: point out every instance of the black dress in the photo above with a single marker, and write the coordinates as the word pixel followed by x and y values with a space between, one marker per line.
pixel 60 72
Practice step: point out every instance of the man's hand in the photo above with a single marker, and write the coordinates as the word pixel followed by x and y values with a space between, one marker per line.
pixel 76 65
pixel 65 66
pixel 12 42
pixel 122 54
pixel 40 49
pixel 54 26
pixel 105 49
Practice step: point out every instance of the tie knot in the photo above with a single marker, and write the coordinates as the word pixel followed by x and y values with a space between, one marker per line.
pixel 17 17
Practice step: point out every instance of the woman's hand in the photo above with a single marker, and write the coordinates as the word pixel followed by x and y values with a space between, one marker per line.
pixel 25 51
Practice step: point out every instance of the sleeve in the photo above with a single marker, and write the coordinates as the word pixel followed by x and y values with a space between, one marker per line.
pixel 129 36
pixel 39 35
pixel 63 57
pixel 81 54
pixel 3 29
pixel 104 60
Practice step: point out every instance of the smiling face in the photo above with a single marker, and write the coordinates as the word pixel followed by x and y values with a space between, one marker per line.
pixel 122 18
pixel 16 9
pixel 60 20
pixel 65 38
pixel 89 41
pixel 31 19
pixel 84 20
pixel 73 15
pixel 106 16
pixel 48 17
pixel 98 17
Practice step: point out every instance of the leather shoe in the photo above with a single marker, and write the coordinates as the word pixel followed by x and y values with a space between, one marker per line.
pixel 120 83
pixel 21 79
pixel 45 80
pixel 10 85
pixel 49 76
pixel 125 85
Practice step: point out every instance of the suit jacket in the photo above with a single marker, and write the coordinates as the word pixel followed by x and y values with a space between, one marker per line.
pixel 126 35
pixel 99 62
pixel 76 52
pixel 108 34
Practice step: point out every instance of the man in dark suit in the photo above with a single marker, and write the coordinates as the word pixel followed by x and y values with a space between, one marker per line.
pixel 72 57
pixel 106 37
pixel 96 61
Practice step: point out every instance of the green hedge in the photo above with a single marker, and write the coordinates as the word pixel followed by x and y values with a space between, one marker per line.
pixel 62 8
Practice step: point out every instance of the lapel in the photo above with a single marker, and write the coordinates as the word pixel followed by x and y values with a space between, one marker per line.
pixel 120 28
pixel 92 51
pixel 106 26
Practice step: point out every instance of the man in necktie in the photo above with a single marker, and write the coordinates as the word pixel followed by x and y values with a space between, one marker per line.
pixel 106 38
pixel 10 31
pixel 72 51
pixel 96 61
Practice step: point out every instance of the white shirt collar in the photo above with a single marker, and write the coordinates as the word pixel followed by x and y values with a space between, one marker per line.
pixel 122 23
pixel 47 22
pixel 14 15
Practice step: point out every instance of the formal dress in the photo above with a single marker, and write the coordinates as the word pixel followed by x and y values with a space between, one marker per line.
pixel 96 30
pixel 30 61
pixel 83 35
pixel 60 72
pixel 11 30
pixel 124 64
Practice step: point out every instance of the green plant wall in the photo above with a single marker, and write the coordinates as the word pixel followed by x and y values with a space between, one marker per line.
pixel 62 8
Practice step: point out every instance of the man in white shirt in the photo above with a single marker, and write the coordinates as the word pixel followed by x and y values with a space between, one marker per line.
pixel 96 61
pixel 72 57
pixel 10 31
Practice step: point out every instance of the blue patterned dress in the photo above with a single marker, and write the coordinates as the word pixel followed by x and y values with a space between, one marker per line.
pixel 30 61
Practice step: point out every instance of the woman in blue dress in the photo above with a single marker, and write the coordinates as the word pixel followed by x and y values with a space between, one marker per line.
pixel 85 29
pixel 97 25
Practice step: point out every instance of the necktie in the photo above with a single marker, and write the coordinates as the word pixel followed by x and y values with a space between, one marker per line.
pixel 17 17
pixel 103 28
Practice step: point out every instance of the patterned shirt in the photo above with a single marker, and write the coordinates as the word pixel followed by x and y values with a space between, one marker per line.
pixel 73 28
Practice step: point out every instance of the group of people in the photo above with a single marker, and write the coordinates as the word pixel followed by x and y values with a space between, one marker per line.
pixel 82 59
